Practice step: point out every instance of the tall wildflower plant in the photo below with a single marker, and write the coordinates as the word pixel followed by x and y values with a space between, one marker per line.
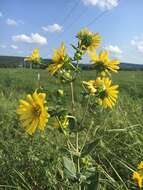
pixel 79 169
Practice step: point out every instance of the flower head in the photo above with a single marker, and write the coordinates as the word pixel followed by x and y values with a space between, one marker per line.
pixel 105 92
pixel 92 86
pixel 138 175
pixel 140 166
pixel 59 59
pixel 33 112
pixel 88 40
pixel 34 57
pixel 138 179
pixel 62 121
pixel 102 62
pixel 65 75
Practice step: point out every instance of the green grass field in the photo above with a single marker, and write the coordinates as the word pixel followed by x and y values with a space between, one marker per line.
pixel 35 165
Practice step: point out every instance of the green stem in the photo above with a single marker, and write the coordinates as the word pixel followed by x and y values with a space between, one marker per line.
pixel 72 96
pixel 85 112
pixel 77 135
pixel 86 136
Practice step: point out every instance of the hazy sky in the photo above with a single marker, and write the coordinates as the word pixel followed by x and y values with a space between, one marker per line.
pixel 25 24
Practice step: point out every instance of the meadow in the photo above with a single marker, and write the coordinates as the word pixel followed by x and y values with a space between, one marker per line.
pixel 27 164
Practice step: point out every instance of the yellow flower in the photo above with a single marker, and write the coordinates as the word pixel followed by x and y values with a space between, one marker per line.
pixel 92 86
pixel 102 62
pixel 58 59
pixel 61 122
pixel 34 57
pixel 33 112
pixel 140 166
pixel 105 92
pixel 138 179
pixel 88 40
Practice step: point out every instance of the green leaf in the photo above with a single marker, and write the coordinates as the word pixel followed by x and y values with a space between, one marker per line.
pixel 94 182
pixel 61 112
pixel 72 122
pixel 90 146
pixel 74 47
pixel 69 168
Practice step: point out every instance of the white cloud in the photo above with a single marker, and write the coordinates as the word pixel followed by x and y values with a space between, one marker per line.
pixel 14 47
pixel 22 38
pixel 33 38
pixel 133 42
pixel 1 15
pixel 11 22
pixel 137 42
pixel 102 4
pixel 114 49
pixel 140 49
pixel 53 28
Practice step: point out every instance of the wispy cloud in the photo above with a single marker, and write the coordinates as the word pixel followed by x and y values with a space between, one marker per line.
pixel 137 42
pixel 114 49
pixel 102 4
pixel 14 46
pixel 11 22
pixel 33 38
pixel 53 28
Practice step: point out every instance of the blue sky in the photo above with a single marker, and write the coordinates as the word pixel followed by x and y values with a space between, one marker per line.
pixel 26 24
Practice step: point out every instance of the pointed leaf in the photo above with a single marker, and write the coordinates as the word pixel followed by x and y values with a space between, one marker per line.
pixel 90 146
pixel 69 168
pixel 94 182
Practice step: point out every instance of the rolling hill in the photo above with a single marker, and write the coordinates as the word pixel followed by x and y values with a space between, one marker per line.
pixel 14 62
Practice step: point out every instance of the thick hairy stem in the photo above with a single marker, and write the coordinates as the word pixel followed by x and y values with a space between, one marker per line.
pixel 78 159
pixel 85 112
pixel 77 134
pixel 72 96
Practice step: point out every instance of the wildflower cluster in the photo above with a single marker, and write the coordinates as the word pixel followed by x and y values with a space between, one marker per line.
pixel 105 92
pixel 34 113
pixel 101 87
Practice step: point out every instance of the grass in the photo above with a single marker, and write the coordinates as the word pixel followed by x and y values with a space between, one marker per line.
pixel 35 163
